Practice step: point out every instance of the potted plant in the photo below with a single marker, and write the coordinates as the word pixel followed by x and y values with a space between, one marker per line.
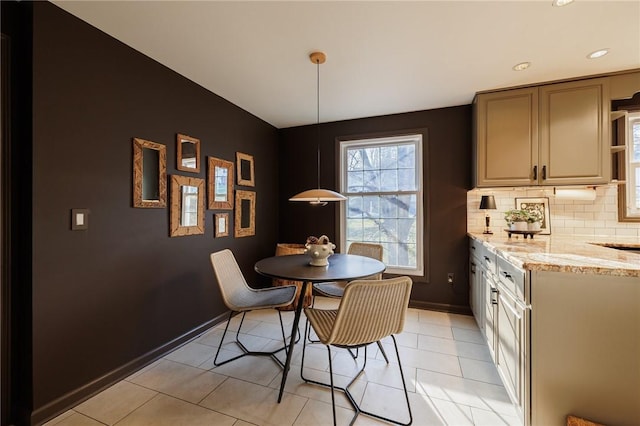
pixel 516 219
pixel 534 219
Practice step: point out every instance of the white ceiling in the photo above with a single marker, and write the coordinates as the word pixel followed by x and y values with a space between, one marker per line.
pixel 383 57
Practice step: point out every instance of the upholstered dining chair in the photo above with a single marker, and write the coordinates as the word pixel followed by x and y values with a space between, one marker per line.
pixel 368 312
pixel 239 297
pixel 335 289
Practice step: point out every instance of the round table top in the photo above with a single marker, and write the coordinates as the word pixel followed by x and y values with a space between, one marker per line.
pixel 341 267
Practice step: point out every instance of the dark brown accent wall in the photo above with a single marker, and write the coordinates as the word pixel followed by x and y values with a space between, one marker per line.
pixel 447 159
pixel 105 297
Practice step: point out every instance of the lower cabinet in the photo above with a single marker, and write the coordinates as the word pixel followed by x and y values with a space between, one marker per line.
pixel 512 342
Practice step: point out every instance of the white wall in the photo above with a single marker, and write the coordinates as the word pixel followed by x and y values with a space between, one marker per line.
pixel 568 217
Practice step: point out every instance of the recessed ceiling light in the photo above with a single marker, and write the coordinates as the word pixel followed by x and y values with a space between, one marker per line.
pixel 560 3
pixel 598 53
pixel 521 66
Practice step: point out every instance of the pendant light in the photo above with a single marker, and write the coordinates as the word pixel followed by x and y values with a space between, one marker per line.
pixel 319 196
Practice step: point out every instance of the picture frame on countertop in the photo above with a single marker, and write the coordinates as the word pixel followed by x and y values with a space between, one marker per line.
pixel 537 203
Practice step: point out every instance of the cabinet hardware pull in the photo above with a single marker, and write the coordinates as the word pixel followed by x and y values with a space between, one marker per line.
pixel 494 292
pixel 487 259
pixel 544 172
pixel 535 172
pixel 473 247
pixel 473 268
pixel 507 276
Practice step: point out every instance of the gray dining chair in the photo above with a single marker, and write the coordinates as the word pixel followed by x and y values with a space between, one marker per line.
pixel 238 296
pixel 335 289
pixel 369 311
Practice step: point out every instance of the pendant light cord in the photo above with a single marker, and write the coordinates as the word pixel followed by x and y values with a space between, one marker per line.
pixel 318 115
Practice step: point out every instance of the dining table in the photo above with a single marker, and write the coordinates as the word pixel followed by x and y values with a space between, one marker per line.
pixel 296 267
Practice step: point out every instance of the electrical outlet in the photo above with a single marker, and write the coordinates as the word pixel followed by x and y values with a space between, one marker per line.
pixel 450 277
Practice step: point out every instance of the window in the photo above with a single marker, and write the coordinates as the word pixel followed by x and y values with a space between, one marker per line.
pixel 633 166
pixel 382 180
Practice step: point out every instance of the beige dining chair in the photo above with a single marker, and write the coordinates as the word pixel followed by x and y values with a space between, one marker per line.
pixel 335 289
pixel 239 297
pixel 369 311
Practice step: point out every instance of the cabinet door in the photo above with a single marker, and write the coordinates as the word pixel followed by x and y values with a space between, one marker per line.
pixel 506 144
pixel 476 291
pixel 490 320
pixel 512 343
pixel 574 133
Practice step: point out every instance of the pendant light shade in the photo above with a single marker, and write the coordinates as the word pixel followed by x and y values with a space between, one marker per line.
pixel 319 196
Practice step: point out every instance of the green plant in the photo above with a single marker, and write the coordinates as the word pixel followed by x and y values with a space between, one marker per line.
pixel 534 215
pixel 516 215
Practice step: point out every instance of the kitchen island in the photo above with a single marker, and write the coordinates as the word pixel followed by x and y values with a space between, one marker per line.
pixel 562 319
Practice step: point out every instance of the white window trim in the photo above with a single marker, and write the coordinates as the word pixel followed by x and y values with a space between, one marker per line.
pixel 631 166
pixel 417 140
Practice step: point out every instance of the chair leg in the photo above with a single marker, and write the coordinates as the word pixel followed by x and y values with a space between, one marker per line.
pixel 384 354
pixel 333 398
pixel 246 351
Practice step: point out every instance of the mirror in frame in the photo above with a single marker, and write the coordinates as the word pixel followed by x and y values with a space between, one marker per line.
pixel 245 214
pixel 220 189
pixel 149 174
pixel 244 169
pixel 188 153
pixel 221 225
pixel 187 206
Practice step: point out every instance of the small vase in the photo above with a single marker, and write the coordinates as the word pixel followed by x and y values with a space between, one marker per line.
pixel 319 253
pixel 534 226
pixel 518 226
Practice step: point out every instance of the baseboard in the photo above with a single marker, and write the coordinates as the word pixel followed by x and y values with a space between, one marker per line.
pixel 73 398
pixel 441 307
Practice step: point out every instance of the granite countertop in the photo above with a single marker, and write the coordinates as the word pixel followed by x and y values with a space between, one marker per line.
pixel 576 254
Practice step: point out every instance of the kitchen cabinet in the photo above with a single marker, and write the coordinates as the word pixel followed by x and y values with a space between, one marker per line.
pixel 563 329
pixel 476 282
pixel 556 134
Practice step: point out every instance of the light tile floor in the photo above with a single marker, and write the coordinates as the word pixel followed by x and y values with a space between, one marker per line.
pixel 449 373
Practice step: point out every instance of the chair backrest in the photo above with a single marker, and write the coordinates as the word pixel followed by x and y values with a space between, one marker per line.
pixel 371 310
pixel 371 250
pixel 233 287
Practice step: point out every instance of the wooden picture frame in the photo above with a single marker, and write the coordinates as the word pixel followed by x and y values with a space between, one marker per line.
pixel 187 206
pixel 537 203
pixel 245 214
pixel 220 188
pixel 244 169
pixel 221 225
pixel 149 174
pixel 187 153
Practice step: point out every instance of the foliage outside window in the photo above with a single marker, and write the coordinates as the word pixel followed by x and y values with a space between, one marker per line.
pixel 382 180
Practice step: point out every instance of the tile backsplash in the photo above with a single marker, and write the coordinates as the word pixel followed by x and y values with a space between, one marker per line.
pixel 568 217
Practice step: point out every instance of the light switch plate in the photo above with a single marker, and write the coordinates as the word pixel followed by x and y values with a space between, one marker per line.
pixel 79 219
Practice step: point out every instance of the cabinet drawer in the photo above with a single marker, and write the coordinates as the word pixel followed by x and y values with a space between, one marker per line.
pixel 512 278
pixel 485 257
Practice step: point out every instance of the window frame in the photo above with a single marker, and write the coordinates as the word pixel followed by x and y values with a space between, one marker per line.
pixel 631 212
pixel 413 138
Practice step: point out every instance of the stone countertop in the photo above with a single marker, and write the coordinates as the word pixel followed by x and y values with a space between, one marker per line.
pixel 575 254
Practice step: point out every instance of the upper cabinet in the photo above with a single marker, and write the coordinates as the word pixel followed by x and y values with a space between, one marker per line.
pixel 556 134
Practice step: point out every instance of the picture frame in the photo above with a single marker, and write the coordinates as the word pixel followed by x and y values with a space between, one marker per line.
pixel 221 225
pixel 245 214
pixel 220 188
pixel 187 206
pixel 537 203
pixel 244 169
pixel 187 153
pixel 149 174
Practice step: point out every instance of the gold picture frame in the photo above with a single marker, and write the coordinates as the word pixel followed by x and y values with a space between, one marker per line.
pixel 244 169
pixel 221 224
pixel 187 206
pixel 187 153
pixel 220 188
pixel 149 174
pixel 245 214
